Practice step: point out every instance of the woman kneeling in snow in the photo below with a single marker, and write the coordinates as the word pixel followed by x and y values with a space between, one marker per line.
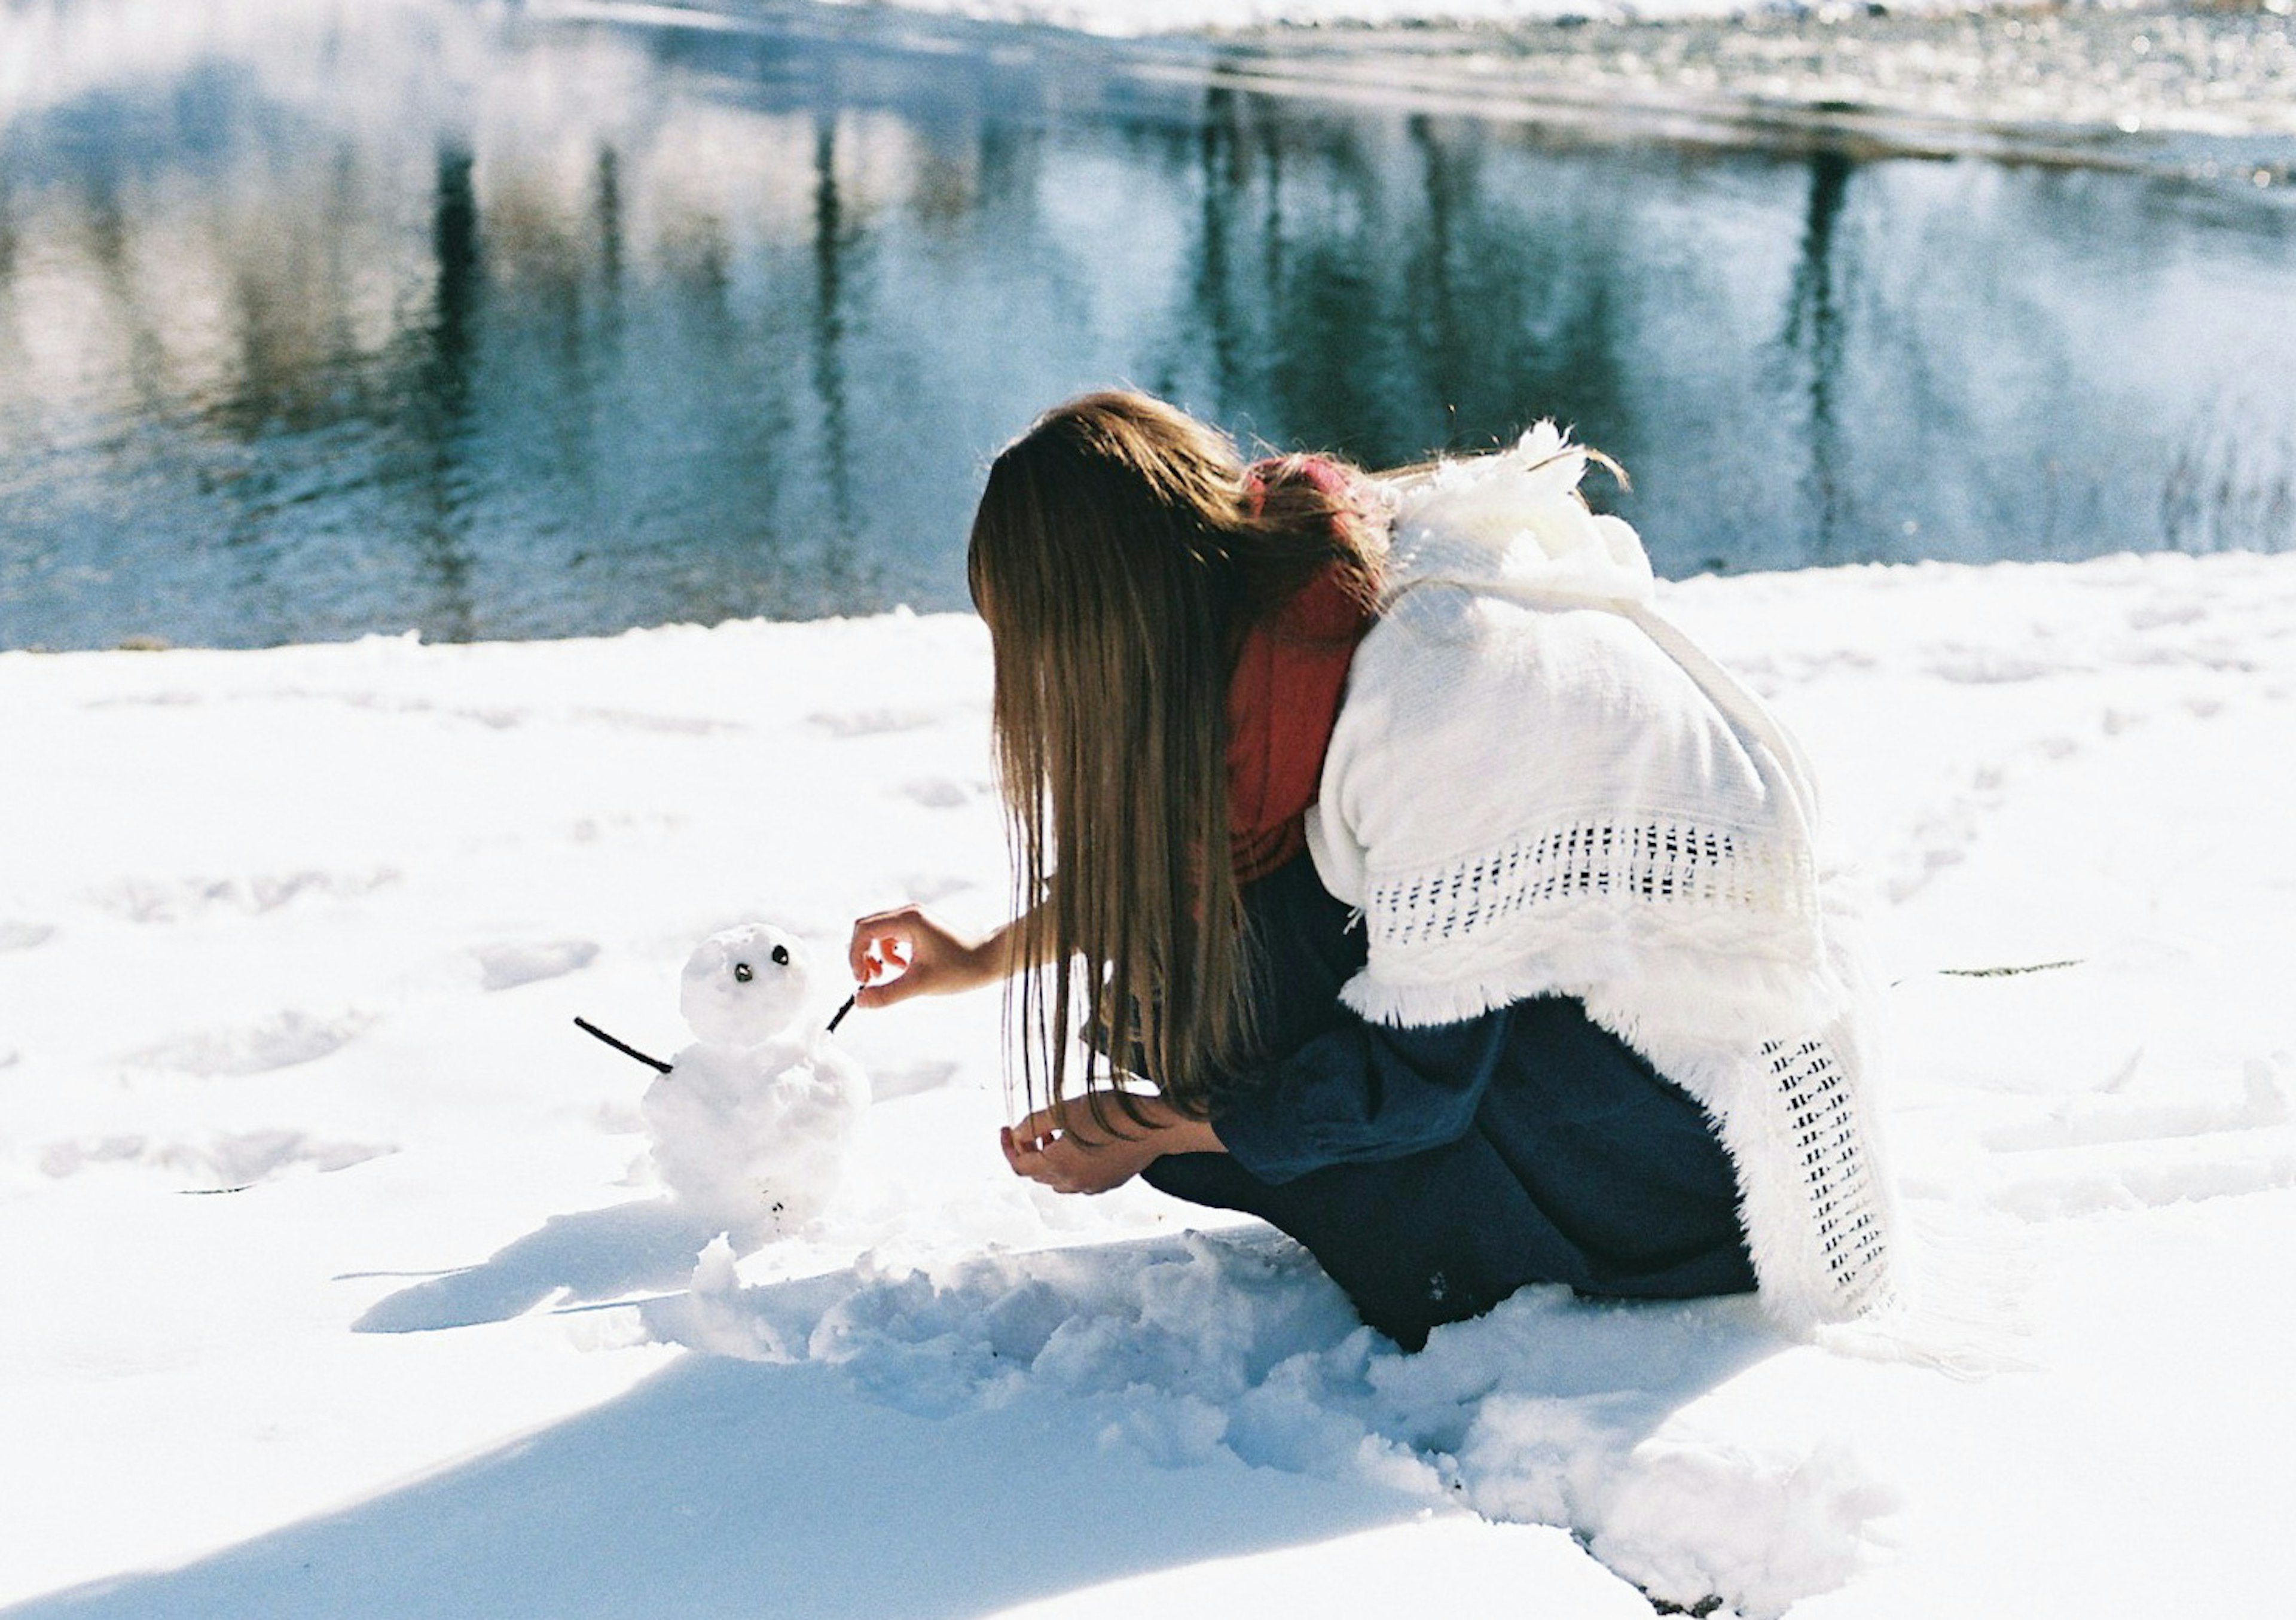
pixel 1462 914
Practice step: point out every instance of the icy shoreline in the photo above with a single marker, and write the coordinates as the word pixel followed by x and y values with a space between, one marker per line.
pixel 2207 94
pixel 2201 90
pixel 312 922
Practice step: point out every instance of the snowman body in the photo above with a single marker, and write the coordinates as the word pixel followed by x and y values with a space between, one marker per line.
pixel 751 1126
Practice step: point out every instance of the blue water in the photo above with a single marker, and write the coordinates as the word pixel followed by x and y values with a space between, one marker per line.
pixel 439 317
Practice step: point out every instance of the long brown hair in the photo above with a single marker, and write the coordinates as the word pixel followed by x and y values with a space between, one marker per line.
pixel 1120 551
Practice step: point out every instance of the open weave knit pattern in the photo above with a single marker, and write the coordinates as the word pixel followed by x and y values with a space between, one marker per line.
pixel 1839 1178
pixel 1619 820
pixel 1698 872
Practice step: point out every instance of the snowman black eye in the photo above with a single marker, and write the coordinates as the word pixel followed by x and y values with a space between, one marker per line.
pixel 741 973
pixel 780 956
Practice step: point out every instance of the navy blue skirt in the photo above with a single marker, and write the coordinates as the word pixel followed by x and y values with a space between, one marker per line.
pixel 1434 1172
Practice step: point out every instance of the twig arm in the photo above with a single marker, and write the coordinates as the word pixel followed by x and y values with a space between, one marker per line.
pixel 622 1046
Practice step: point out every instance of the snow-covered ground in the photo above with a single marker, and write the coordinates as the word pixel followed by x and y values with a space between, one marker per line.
pixel 331 1289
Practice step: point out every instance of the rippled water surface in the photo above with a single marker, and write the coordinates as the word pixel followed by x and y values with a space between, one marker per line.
pixel 318 318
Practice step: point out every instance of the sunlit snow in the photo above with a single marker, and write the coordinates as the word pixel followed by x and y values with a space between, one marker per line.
pixel 338 1283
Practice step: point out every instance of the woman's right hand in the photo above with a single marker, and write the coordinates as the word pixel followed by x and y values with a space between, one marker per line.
pixel 908 952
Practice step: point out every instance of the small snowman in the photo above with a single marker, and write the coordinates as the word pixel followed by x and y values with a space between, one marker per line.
pixel 749 1125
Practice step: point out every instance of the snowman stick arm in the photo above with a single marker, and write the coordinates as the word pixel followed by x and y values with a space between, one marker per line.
pixel 623 1046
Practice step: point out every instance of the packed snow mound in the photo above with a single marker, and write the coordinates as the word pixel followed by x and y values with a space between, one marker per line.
pixel 1549 1411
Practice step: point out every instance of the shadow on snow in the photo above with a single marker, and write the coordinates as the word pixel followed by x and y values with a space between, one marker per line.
pixel 1022 1425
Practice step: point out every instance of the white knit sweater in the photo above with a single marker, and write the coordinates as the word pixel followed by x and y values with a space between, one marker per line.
pixel 1538 786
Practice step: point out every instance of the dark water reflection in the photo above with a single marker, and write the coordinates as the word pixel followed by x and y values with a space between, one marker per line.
pixel 324 319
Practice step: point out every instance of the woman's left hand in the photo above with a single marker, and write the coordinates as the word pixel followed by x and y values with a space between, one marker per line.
pixel 1083 1157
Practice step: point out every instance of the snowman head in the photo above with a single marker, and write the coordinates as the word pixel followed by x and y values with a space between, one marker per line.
pixel 745 985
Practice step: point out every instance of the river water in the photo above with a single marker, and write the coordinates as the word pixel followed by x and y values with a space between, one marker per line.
pixel 319 318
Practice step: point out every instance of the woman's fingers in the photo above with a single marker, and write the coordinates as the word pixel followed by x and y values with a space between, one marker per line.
pixel 882 975
pixel 894 955
pixel 1052 1163
pixel 1037 1154
pixel 887 935
pixel 897 954
pixel 859 948
pixel 1043 1149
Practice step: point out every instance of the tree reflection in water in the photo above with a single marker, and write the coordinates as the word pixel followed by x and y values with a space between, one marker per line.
pixel 417 316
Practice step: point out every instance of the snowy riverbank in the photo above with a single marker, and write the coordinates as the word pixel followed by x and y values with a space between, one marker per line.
pixel 1128 18
pixel 312 923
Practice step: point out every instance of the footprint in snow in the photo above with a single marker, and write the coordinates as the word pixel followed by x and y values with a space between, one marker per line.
pixel 140 900
pixel 887 1084
pixel 170 699
pixel 507 966
pixel 924 888
pixel 2262 1104
pixel 279 1042
pixel 23 936
pixel 1986 666
pixel 225 1162
pixel 872 722
pixel 2167 613
pixel 936 793
pixel 2122 1154
pixel 668 725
